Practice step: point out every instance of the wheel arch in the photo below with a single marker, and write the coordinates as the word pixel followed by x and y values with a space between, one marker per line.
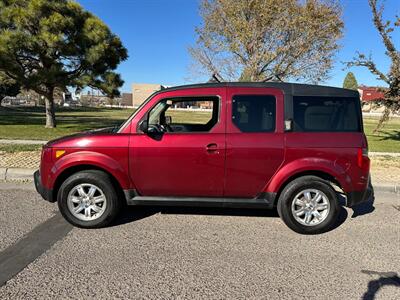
pixel 318 173
pixel 67 172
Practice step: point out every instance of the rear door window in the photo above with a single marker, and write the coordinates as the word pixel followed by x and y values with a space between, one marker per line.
pixel 326 114
pixel 254 113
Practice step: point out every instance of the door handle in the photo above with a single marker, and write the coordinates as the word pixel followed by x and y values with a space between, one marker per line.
pixel 212 147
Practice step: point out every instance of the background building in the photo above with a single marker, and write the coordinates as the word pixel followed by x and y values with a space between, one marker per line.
pixel 126 99
pixel 368 93
pixel 141 91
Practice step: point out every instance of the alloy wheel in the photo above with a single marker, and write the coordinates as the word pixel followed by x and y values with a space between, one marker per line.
pixel 86 202
pixel 310 207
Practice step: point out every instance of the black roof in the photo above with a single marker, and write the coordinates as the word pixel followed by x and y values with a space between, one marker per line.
pixel 290 89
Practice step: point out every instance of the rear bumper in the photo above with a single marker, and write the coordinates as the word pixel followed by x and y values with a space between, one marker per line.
pixel 45 193
pixel 357 197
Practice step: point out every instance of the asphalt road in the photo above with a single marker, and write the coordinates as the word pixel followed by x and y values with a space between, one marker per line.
pixel 200 253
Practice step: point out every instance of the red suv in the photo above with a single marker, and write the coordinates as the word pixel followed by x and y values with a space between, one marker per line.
pixel 291 146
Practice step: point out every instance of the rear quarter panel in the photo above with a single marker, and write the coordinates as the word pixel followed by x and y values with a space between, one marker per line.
pixel 331 153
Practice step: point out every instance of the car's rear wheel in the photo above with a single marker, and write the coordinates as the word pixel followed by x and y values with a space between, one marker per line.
pixel 88 199
pixel 309 205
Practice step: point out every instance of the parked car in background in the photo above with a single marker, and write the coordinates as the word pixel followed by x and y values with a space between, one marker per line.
pixel 269 145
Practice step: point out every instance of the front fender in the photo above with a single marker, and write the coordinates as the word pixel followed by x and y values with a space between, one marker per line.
pixel 96 159
pixel 307 165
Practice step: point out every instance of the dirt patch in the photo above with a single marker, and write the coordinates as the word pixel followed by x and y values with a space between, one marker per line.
pixel 385 170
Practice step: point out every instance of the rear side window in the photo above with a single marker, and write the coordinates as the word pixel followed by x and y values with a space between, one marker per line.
pixel 326 114
pixel 254 113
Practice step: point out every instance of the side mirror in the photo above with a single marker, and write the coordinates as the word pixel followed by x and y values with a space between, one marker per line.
pixel 168 120
pixel 144 126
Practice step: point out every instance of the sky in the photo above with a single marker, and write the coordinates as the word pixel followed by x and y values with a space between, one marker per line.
pixel 157 34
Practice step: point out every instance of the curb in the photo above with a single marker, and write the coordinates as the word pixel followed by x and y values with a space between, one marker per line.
pixel 10 174
pixel 387 188
pixel 3 172
pixel 385 154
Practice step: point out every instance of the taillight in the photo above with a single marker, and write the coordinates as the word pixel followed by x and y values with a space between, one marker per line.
pixel 362 157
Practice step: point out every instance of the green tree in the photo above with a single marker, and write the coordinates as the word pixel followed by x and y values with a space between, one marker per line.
pixel 258 40
pixel 350 81
pixel 8 87
pixel 49 45
pixel 391 77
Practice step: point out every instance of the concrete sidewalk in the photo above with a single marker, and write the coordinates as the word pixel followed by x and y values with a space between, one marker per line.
pixel 11 174
pixel 22 142
pixel 387 154
pixel 38 142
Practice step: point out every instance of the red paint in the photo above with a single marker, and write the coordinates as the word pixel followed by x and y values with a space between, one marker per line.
pixel 252 158
pixel 235 164
pixel 179 164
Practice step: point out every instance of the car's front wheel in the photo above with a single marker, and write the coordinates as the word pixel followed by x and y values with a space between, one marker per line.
pixel 309 205
pixel 88 199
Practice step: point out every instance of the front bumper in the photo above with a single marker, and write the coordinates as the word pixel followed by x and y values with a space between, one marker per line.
pixel 45 193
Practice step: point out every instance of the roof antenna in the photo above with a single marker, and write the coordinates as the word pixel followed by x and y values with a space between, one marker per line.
pixel 270 78
pixel 214 78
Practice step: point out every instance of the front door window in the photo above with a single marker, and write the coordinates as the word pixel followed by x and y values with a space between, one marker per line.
pixel 184 115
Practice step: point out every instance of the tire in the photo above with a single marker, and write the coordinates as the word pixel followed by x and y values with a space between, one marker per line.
pixel 91 211
pixel 298 208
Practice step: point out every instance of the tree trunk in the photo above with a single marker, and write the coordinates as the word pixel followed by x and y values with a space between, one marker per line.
pixel 50 112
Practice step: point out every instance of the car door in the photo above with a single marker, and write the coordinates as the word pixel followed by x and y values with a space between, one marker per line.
pixel 254 140
pixel 190 160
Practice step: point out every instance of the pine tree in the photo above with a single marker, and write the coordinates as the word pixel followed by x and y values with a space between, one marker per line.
pixel 350 82
pixel 50 45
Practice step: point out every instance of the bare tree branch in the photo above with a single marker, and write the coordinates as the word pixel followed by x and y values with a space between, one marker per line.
pixel 384 30
pixel 268 38
pixel 391 99
pixel 362 61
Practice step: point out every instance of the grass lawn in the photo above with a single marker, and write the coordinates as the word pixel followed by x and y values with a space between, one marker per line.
pixel 387 139
pixel 9 148
pixel 28 123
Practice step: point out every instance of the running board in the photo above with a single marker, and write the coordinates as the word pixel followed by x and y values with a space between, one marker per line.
pixel 265 200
